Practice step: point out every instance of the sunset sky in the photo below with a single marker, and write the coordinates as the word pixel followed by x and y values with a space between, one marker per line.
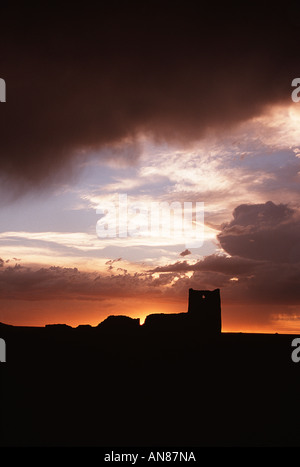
pixel 162 104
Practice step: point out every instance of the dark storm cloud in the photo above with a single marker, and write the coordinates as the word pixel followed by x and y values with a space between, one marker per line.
pixel 263 232
pixel 83 78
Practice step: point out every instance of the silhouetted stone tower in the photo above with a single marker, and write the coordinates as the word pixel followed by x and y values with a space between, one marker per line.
pixel 205 310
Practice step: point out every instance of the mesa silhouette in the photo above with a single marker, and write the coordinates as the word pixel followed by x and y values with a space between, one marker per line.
pixel 177 380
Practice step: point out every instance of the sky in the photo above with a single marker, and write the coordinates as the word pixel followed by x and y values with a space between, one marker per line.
pixel 150 105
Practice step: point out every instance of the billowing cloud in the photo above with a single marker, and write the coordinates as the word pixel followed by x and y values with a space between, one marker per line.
pixel 263 232
pixel 83 80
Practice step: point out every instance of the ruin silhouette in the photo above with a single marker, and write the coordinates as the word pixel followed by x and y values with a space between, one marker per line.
pixel 125 384
pixel 205 309
pixel 203 315
pixel 203 318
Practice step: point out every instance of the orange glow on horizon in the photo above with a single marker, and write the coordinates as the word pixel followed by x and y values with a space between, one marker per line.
pixel 235 318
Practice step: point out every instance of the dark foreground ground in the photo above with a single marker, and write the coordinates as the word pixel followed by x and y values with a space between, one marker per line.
pixel 82 387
